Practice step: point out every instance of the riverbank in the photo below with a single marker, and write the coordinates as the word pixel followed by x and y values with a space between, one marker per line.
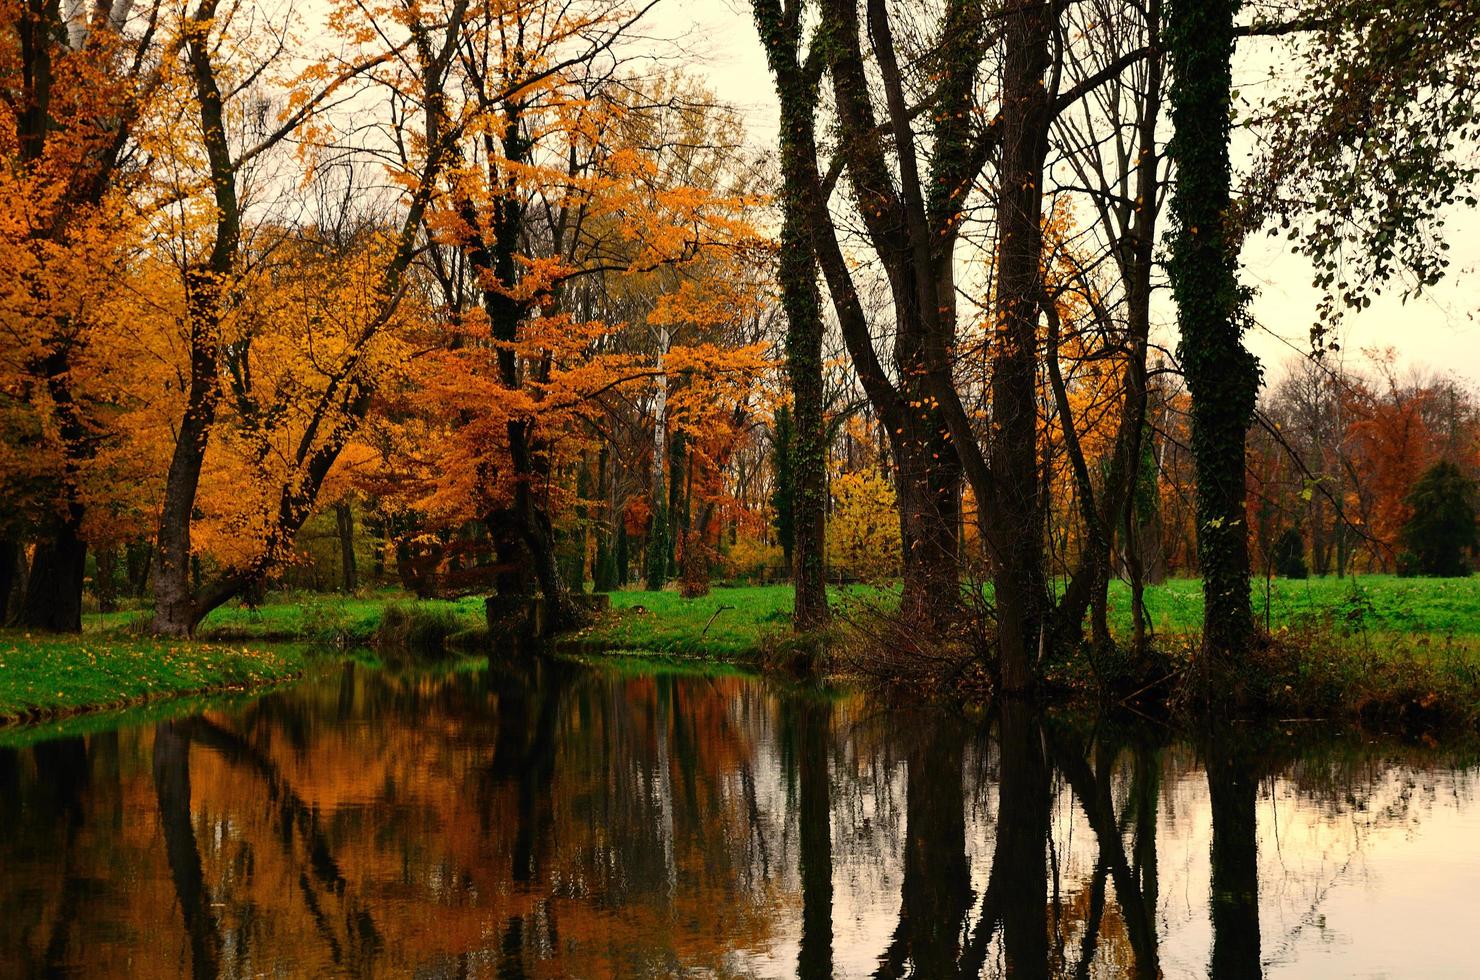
pixel 1381 652
pixel 321 619
pixel 48 677
pixel 1378 650
pixel 743 621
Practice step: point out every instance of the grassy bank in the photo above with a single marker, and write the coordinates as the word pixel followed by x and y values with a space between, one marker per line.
pixel 308 617
pixel 731 622
pixel 112 665
pixel 51 676
pixel 1373 647
pixel 1375 603
pixel 1382 651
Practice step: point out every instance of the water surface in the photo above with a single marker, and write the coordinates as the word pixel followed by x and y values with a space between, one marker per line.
pixel 560 820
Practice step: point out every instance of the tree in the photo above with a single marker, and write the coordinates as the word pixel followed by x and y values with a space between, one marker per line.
pixel 214 263
pixel 797 76
pixel 77 80
pixel 1442 530
pixel 1222 376
pixel 1372 146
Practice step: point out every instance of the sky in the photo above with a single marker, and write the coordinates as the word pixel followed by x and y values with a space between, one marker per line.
pixel 1436 333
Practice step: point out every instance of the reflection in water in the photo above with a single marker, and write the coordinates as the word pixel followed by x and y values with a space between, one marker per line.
pixel 809 721
pixel 172 783
pixel 1233 791
pixel 547 819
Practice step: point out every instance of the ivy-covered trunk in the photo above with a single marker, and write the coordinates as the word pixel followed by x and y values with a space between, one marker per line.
pixel 809 454
pixel 796 90
pixel 1222 377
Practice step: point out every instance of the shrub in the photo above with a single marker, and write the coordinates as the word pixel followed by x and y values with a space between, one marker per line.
pixel 1289 555
pixel 863 532
pixel 750 559
pixel 418 629
pixel 1442 532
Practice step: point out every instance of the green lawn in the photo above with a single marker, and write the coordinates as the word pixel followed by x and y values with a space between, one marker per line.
pixel 726 623
pixel 307 616
pixel 1376 603
pixel 54 675
pixel 739 620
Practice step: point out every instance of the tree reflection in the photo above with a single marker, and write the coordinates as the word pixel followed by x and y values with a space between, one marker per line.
pixel 547 819
pixel 1135 886
pixel 808 724
pixel 1018 890
pixel 172 788
pixel 1234 901
pixel 936 892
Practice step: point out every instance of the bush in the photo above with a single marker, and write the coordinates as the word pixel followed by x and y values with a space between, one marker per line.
pixel 750 559
pixel 1442 532
pixel 424 630
pixel 1289 555
pixel 863 533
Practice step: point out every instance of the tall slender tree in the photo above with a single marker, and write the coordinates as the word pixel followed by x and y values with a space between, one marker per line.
pixel 797 78
pixel 1222 376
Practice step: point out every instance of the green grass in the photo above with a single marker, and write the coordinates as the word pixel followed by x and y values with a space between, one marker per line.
pixel 43 676
pixel 309 617
pixel 1375 603
pixel 741 621
pixel 728 623
pixel 112 666
pixel 1357 637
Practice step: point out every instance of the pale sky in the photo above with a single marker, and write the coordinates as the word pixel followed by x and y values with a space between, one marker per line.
pixel 1440 332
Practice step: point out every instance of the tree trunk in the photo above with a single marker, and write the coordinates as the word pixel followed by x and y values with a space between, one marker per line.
pixel 105 579
pixel 11 558
pixel 138 559
pixel 174 602
pixel 1017 518
pixel 624 553
pixel 929 495
pixel 344 519
pixel 604 572
pixel 174 599
pixel 797 271
pixel 1222 376
pixel 53 599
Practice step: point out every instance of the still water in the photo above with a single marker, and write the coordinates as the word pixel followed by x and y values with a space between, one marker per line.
pixel 560 820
